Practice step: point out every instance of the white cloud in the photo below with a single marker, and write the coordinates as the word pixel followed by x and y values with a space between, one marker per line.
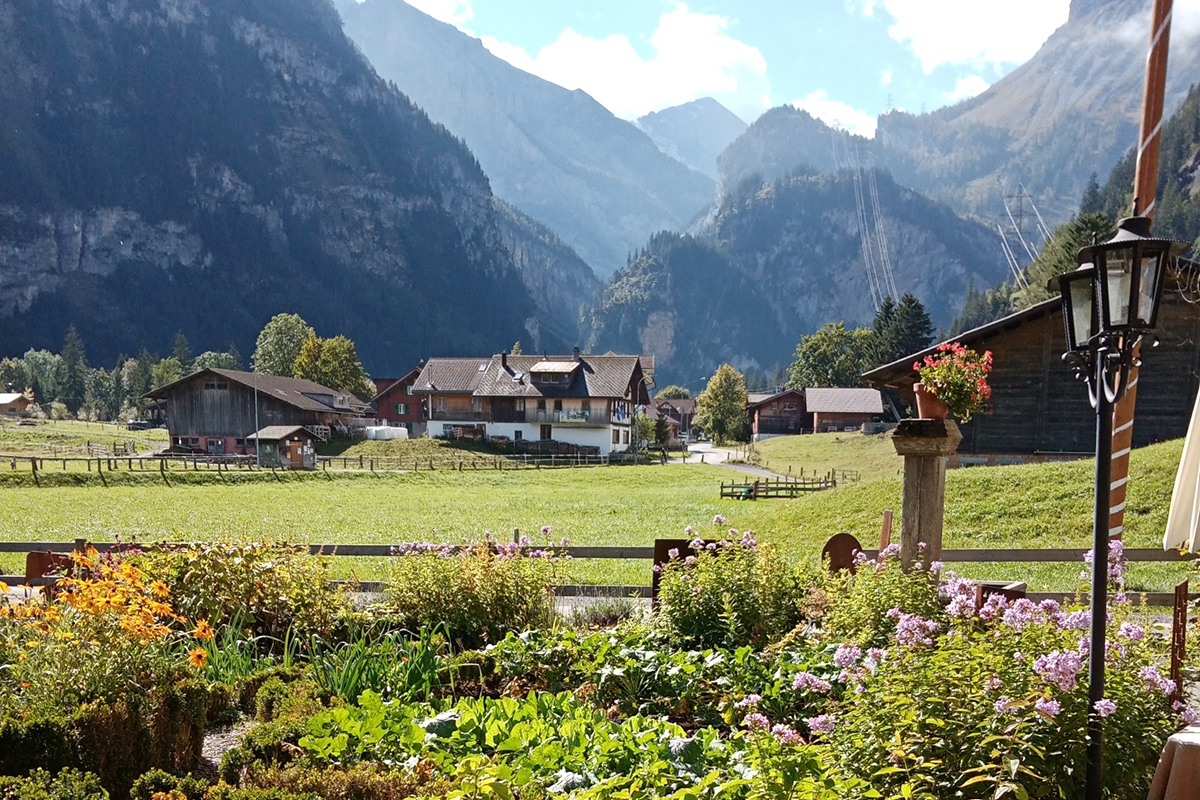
pixel 977 33
pixel 966 87
pixel 885 77
pixel 694 56
pixel 455 12
pixel 837 113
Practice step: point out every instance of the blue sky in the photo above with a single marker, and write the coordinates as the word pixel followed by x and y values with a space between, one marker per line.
pixel 843 60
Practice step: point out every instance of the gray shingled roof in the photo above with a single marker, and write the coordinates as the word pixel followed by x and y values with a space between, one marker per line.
pixel 597 376
pixel 274 433
pixel 295 392
pixel 450 375
pixel 843 401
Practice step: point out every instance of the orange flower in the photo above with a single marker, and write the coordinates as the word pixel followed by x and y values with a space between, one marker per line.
pixel 197 657
pixel 204 631
pixel 159 589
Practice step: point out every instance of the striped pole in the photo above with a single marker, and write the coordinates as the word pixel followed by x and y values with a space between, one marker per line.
pixel 1145 187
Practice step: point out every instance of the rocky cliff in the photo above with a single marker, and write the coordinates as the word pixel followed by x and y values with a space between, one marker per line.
pixel 557 155
pixel 694 133
pixel 178 164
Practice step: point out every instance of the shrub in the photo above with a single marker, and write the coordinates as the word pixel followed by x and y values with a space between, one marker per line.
pixel 268 587
pixel 69 784
pixel 360 782
pixel 605 612
pixel 860 604
pixel 157 781
pixel 730 593
pixel 479 593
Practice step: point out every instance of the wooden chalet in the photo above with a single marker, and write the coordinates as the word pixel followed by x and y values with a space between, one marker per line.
pixel 395 404
pixel 584 401
pixel 217 411
pixel 677 413
pixel 14 404
pixel 842 409
pixel 1039 410
pixel 777 413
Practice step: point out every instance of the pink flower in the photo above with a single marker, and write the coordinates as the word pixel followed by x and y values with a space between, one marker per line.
pixel 1132 632
pixel 1047 707
pixel 806 680
pixel 1059 668
pixel 1006 706
pixel 1105 707
pixel 673 553
pixel 756 721
pixel 1152 679
pixel 718 520
pixel 749 700
pixel 786 735
pixel 847 655
pixel 821 724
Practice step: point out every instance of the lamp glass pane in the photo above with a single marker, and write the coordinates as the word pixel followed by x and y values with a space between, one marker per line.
pixel 1147 289
pixel 1081 311
pixel 1118 275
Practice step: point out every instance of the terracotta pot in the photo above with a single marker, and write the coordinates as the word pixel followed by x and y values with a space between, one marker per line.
pixel 928 405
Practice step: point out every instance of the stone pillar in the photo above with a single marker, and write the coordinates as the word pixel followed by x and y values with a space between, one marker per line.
pixel 924 443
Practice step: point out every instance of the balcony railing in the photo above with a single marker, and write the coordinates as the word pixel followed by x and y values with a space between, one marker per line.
pixel 454 415
pixel 568 416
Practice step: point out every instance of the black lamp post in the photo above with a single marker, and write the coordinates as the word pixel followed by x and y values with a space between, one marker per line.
pixel 1109 304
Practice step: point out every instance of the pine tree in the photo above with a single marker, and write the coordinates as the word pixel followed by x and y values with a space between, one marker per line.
pixel 912 330
pixel 235 356
pixel 1093 200
pixel 183 352
pixel 74 371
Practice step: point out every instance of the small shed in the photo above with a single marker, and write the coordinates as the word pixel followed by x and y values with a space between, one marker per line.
pixel 837 409
pixel 14 403
pixel 285 447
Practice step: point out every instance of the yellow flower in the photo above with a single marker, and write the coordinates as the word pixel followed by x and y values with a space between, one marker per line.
pixel 204 631
pixel 159 589
pixel 197 657
pixel 31 644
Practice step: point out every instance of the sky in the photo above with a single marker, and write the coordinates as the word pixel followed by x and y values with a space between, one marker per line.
pixel 845 61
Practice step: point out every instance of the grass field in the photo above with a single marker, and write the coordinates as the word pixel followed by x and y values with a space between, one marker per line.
pixel 1047 505
pixel 873 456
pixel 49 437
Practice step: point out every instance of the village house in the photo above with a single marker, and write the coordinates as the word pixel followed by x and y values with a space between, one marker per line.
pixel 777 414
pixel 1039 411
pixel 219 411
pixel 677 413
pixel 396 405
pixel 14 404
pixel 812 410
pixel 585 401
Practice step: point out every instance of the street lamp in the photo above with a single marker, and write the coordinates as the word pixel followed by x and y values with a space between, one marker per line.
pixel 1109 304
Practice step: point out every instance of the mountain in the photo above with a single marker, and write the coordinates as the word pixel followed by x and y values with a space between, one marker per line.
pixel 1071 110
pixel 557 155
pixel 200 165
pixel 778 262
pixel 694 133
pixel 561 283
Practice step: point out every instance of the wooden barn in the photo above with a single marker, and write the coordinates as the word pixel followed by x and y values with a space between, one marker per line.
pixel 778 414
pixel 1039 411
pixel 216 411
pixel 842 409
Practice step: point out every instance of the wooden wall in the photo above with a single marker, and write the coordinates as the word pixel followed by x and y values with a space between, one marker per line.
pixel 193 410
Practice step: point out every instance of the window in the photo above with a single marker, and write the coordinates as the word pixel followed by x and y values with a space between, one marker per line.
pixel 616 436
pixel 215 385
pixel 541 405
pixel 240 442
pixel 789 406
pixel 520 404
pixel 477 404
pixel 558 405
pixel 518 435
pixel 625 437
pixel 401 408
pixel 587 406
pixel 408 389
pixel 441 404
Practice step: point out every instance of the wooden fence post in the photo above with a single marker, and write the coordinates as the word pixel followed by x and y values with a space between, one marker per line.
pixel 885 535
pixel 924 443
pixel 1179 637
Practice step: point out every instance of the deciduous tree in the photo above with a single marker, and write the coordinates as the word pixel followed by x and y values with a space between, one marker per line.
pixel 721 407
pixel 673 392
pixel 833 356
pixel 279 344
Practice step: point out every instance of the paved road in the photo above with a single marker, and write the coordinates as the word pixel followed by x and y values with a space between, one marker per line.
pixel 706 453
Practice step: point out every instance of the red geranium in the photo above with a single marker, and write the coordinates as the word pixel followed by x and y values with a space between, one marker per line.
pixel 957 376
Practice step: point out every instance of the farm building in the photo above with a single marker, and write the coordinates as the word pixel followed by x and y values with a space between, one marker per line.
pixel 583 401
pixel 14 403
pixel 677 413
pixel 1039 411
pixel 285 447
pixel 777 414
pixel 217 411
pixel 397 406
pixel 842 409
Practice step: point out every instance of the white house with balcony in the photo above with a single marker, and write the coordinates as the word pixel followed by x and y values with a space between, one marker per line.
pixel 582 400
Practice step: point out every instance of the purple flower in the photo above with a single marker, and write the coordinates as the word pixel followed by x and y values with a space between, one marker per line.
pixel 786 735
pixel 546 530
pixel 696 544
pixel 718 520
pixel 656 568
pixel 1006 706
pixel 821 724
pixel 1021 614
pixel 711 546
pixel 994 683
pixel 913 629
pixel 690 561
pixel 673 553
pixel 756 721
pixel 1076 621
pixel 935 567
pixel 1047 707
pixel 1105 707
pixel 1132 632
pixel 749 700
pixel 847 655
pixel 688 530
pixel 806 680
pixel 891 551
pixel 1152 679
pixel 1059 668
pixel 1189 715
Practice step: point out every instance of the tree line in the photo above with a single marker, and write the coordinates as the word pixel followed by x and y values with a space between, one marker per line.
pixel 64 385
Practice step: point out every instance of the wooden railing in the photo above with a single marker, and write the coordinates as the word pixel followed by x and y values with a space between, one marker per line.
pixel 768 488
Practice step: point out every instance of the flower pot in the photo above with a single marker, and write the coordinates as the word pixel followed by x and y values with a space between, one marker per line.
pixel 928 404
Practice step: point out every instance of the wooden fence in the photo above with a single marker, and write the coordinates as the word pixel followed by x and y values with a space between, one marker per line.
pixel 767 488
pixel 974 556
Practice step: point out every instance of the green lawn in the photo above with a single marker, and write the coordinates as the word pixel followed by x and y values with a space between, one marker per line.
pixel 873 456
pixel 1046 505
pixel 47 435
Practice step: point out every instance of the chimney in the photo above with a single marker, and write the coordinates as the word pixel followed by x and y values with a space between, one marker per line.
pixel 504 359
pixel 577 358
